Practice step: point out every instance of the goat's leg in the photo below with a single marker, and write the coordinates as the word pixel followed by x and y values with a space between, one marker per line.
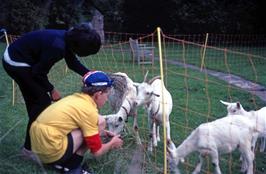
pixel 243 159
pixel 154 138
pixel 248 156
pixel 199 165
pixel 244 165
pixel 215 161
pixel 158 134
pixel 168 130
pixel 253 143
pixel 150 143
pixel 136 130
pixel 249 161
pixel 138 140
pixel 262 144
pixel 135 123
pixel 150 131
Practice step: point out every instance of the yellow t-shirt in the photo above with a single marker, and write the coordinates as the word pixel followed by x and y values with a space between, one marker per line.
pixel 49 131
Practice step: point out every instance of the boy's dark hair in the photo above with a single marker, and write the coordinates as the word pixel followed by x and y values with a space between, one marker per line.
pixel 83 40
pixel 90 90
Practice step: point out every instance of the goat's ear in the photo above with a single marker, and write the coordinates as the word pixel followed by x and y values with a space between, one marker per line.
pixel 157 95
pixel 225 103
pixel 238 105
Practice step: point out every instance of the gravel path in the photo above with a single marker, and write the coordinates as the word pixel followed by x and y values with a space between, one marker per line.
pixel 244 84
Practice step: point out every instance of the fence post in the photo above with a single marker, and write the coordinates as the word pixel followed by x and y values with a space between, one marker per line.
pixel 204 51
pixel 13 82
pixel 163 101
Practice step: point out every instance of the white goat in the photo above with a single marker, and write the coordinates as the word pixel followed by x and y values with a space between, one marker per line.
pixel 259 118
pixel 149 95
pixel 116 122
pixel 220 136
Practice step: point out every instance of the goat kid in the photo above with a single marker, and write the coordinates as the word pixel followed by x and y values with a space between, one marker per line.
pixel 148 95
pixel 213 138
pixel 258 117
pixel 116 122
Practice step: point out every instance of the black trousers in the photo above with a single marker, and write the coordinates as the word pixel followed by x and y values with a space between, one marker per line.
pixel 35 96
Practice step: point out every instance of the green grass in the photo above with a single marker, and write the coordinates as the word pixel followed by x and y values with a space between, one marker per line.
pixel 195 96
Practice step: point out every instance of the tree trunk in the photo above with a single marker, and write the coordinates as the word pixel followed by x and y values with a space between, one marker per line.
pixel 98 24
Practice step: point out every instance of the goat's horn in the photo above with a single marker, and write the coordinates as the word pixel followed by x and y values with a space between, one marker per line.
pixel 154 78
pixel 225 103
pixel 145 77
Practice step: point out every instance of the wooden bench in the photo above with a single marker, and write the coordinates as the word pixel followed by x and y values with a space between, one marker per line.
pixel 141 53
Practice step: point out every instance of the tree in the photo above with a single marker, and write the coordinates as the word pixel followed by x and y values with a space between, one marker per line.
pixel 195 16
pixel 64 14
pixel 24 15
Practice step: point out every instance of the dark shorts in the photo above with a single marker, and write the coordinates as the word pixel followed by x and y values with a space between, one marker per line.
pixel 68 154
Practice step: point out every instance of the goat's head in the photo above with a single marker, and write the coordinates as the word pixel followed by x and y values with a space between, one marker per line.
pixel 172 157
pixel 234 108
pixel 115 123
pixel 145 91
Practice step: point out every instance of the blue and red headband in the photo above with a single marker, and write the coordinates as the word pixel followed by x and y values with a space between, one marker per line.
pixel 97 78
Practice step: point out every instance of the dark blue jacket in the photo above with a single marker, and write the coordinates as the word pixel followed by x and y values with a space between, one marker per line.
pixel 42 49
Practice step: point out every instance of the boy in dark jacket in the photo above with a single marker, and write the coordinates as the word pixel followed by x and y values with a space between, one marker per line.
pixel 29 58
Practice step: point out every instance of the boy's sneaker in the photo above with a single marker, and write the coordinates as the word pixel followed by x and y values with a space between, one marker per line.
pixel 29 155
pixel 78 170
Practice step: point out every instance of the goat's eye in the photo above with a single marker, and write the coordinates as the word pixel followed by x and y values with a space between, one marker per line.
pixel 148 93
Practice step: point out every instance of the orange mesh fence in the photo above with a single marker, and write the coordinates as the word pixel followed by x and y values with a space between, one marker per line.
pixel 198 73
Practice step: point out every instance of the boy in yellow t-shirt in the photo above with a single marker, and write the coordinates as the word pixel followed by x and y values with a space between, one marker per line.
pixel 65 130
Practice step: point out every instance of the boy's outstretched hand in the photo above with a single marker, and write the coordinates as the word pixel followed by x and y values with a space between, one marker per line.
pixel 117 142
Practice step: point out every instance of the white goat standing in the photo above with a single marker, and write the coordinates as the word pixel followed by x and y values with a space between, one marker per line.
pixel 220 136
pixel 116 122
pixel 149 95
pixel 259 118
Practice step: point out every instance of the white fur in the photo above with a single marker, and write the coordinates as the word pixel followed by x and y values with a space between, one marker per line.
pixel 116 122
pixel 258 118
pixel 150 96
pixel 220 136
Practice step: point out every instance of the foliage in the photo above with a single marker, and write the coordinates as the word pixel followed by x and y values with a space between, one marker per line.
pixel 24 15
pixel 180 16
pixel 64 14
pixel 138 16
pixel 196 100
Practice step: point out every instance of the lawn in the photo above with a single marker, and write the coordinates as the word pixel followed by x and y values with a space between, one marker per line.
pixel 195 95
